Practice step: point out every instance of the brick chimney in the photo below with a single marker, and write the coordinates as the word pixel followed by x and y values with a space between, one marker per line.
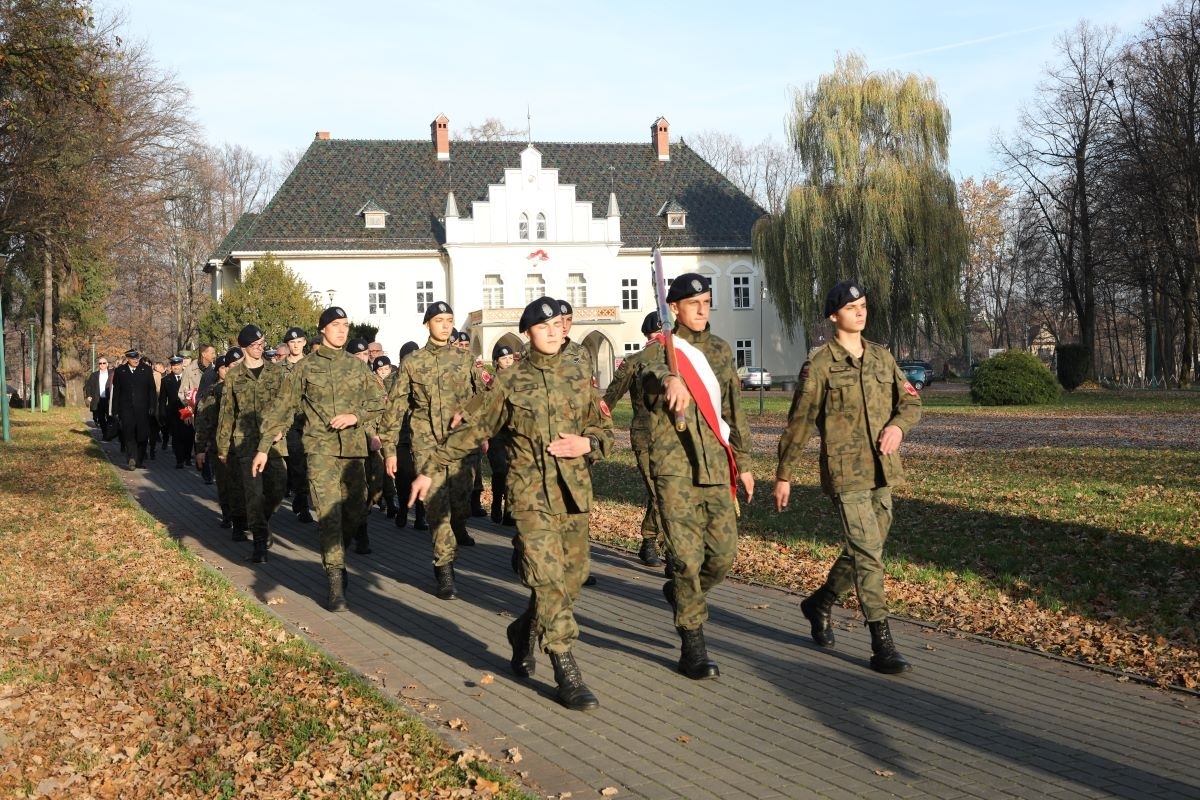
pixel 439 130
pixel 322 136
pixel 660 139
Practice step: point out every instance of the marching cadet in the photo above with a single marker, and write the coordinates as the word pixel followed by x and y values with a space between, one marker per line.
pixel 503 358
pixel 339 397
pixel 462 341
pixel 405 470
pixel 230 495
pixel 251 387
pixel 629 379
pixel 696 470
pixel 551 414
pixel 379 485
pixel 855 396
pixel 297 466
pixel 436 383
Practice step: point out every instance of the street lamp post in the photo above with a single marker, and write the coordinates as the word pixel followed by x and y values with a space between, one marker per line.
pixel 762 345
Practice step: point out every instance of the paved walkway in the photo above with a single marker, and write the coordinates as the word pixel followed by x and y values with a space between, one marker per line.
pixel 785 719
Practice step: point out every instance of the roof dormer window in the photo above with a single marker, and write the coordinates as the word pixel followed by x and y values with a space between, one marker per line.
pixel 373 216
pixel 675 213
pixel 677 220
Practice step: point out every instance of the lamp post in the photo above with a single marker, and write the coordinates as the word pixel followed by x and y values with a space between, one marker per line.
pixel 762 345
pixel 331 293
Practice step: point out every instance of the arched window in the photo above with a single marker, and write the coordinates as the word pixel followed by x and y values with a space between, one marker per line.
pixel 523 227
pixel 541 226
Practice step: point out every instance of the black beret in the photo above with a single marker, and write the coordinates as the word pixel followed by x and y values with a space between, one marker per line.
pixel 565 307
pixel 329 315
pixel 500 351
pixel 294 333
pixel 463 336
pixel 234 355
pixel 270 352
pixel 249 335
pixel 220 361
pixel 842 293
pixel 380 361
pixel 433 309
pixel 132 354
pixel 538 311
pixel 408 348
pixel 651 324
pixel 175 360
pixel 689 284
pixel 357 345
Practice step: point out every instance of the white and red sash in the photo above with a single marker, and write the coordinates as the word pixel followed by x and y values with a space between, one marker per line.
pixel 697 374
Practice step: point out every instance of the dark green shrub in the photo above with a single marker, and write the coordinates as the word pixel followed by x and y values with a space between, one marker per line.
pixel 1074 365
pixel 1013 378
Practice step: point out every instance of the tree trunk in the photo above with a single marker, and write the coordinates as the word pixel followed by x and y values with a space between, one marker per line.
pixel 46 340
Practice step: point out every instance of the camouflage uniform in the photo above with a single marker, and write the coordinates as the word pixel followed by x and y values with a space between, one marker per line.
pixel 850 401
pixel 297 464
pixel 550 497
pixel 379 485
pixel 244 404
pixel 692 479
pixel 325 384
pixel 629 379
pixel 230 494
pixel 435 383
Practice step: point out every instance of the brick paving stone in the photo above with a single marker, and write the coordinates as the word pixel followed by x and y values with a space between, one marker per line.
pixel 786 719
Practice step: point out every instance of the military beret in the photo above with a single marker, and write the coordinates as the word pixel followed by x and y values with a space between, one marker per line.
pixel 329 315
pixel 234 355
pixel 500 351
pixel 463 336
pixel 270 352
pixel 132 354
pixel 842 293
pixel 220 361
pixel 408 349
pixel 565 307
pixel 357 345
pixel 433 309
pixel 651 324
pixel 380 361
pixel 173 360
pixel 249 335
pixel 538 311
pixel 689 284
pixel 294 333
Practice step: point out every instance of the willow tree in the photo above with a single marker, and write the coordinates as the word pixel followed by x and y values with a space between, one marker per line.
pixel 877 204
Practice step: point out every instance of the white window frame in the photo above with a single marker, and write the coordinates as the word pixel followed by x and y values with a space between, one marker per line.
pixel 632 347
pixel 630 297
pixel 576 289
pixel 535 287
pixel 493 291
pixel 735 286
pixel 376 297
pixel 424 295
pixel 375 219
pixel 523 227
pixel 541 227
pixel 744 346
pixel 676 220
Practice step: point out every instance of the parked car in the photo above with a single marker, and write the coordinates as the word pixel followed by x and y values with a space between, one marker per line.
pixel 754 377
pixel 916 375
pixel 928 375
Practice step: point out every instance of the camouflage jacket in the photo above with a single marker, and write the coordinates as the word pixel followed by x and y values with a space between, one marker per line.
pixel 433 384
pixel 207 413
pixel 849 402
pixel 325 384
pixel 244 406
pixel 696 452
pixel 533 403
pixel 629 379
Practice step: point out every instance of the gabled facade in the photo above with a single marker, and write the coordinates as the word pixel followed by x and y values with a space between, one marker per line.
pixel 384 228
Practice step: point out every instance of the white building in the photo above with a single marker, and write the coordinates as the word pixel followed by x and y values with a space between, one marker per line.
pixel 384 228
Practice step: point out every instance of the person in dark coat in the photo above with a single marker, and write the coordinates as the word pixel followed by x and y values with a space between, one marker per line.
pixel 169 407
pixel 134 401
pixel 95 391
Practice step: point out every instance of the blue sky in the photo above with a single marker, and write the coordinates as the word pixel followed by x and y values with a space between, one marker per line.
pixel 268 75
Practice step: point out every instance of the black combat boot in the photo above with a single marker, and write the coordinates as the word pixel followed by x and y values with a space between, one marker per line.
pixel 393 507
pixel 461 536
pixel 816 608
pixel 362 542
pixel 445 582
pixel 402 518
pixel 477 504
pixel 419 521
pixel 669 593
pixel 498 487
pixel 260 549
pixel 240 524
pixel 522 635
pixel 337 590
pixel 225 522
pixel 572 692
pixel 648 552
pixel 693 656
pixel 886 658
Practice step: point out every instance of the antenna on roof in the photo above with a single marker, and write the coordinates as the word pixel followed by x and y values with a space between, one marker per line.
pixel 528 125
pixel 612 179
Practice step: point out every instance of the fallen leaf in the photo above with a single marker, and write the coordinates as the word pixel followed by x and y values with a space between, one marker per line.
pixel 884 773
pixel 487 679
pixel 609 791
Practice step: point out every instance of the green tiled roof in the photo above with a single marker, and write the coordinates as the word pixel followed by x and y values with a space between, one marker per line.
pixel 317 206
pixel 241 229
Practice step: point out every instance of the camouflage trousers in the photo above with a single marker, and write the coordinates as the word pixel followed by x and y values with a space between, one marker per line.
pixel 553 549
pixel 700 528
pixel 338 489
pixel 263 493
pixel 650 526
pixel 297 469
pixel 229 486
pixel 378 483
pixel 474 463
pixel 447 503
pixel 866 520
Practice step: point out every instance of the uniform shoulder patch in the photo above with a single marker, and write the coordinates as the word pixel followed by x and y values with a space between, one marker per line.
pixel 908 387
pixel 604 409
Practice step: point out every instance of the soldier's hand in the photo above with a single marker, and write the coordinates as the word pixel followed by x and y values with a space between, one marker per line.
pixel 889 440
pixel 343 421
pixel 420 488
pixel 257 465
pixel 200 460
pixel 747 479
pixel 223 459
pixel 677 395
pixel 457 418
pixel 783 492
pixel 389 466
pixel 568 445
